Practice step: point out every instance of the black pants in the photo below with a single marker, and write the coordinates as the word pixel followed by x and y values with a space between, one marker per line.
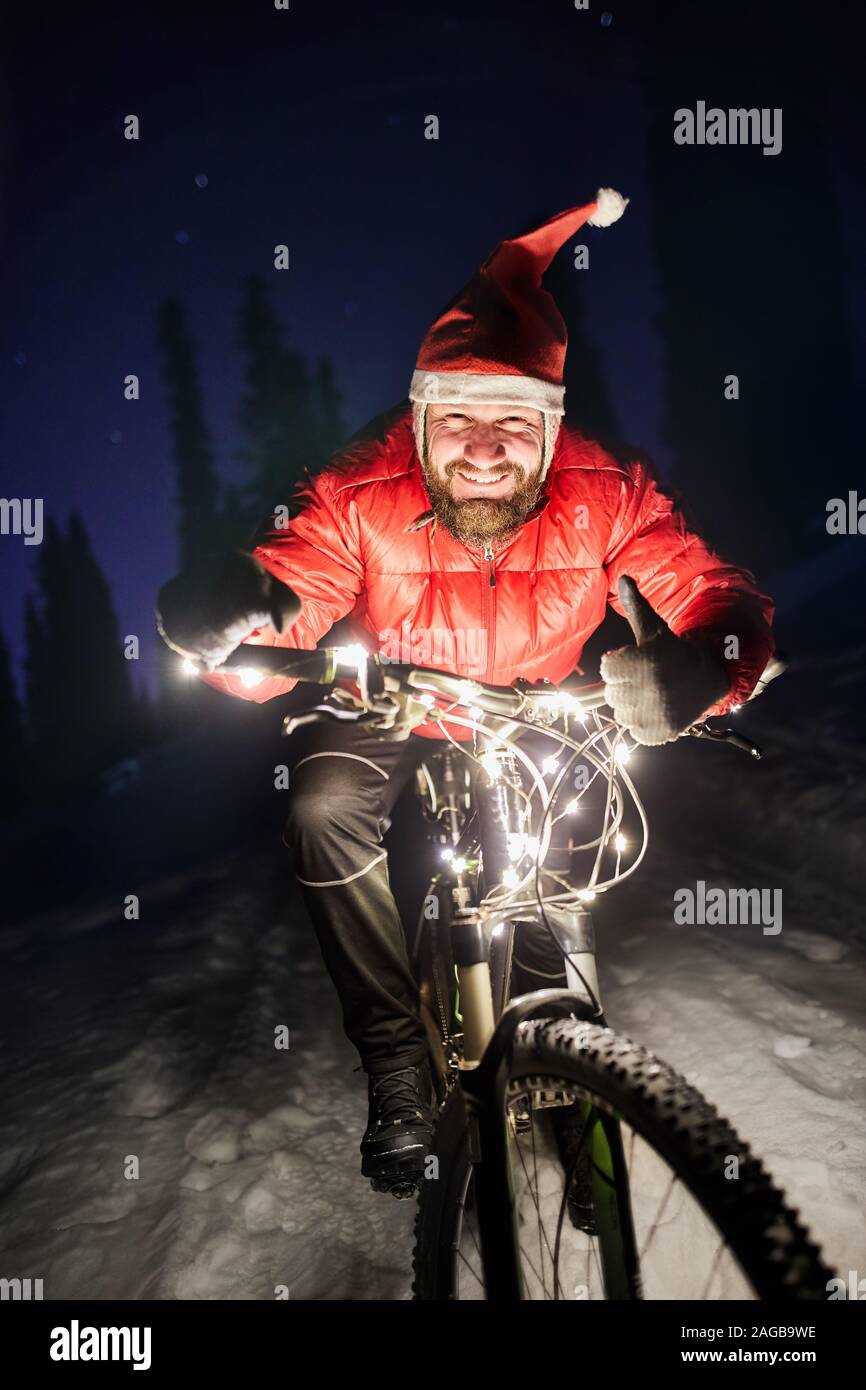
pixel 344 784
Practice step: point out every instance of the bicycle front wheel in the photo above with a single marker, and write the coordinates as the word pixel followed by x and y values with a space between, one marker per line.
pixel 679 1208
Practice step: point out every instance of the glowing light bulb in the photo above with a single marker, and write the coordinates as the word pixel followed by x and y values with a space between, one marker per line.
pixel 354 654
pixel 447 853
pixel 532 846
pixel 623 753
pixel 427 699
pixel 620 842
pixel 187 667
pixel 250 677
pixel 459 866
pixel 491 764
pixel 516 847
pixel 511 878
pixel 734 708
pixel 549 765
pixel 573 805
pixel 586 895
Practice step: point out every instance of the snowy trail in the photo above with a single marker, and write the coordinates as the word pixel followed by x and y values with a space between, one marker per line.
pixel 248 1154
pixel 772 1030
pixel 156 1039
pixel 771 1027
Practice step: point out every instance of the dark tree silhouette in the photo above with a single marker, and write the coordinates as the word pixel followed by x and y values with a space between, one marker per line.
pixel 291 418
pixel 107 708
pixel 291 423
pixel 13 750
pixel 197 480
pixel 81 712
pixel 45 649
pixel 328 410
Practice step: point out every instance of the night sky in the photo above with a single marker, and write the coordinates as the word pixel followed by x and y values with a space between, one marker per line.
pixel 308 127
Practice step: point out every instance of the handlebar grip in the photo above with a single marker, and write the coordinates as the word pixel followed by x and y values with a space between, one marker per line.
pixel 316 666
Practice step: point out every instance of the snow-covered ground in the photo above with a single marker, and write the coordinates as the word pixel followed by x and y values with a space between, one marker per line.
pixel 770 1028
pixel 156 1040
pixel 148 1045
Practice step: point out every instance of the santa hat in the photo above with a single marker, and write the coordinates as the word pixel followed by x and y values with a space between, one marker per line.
pixel 502 340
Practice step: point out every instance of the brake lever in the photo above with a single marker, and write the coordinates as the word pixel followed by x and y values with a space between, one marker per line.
pixel 379 711
pixel 312 716
pixel 745 745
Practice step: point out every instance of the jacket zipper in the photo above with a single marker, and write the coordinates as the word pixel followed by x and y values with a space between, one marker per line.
pixel 488 608
pixel 488 555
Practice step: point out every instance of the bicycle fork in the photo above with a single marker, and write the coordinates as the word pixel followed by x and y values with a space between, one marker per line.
pixel 484 1076
pixel 471 939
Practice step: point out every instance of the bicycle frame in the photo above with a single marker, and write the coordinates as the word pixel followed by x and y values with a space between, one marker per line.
pixel 485 1066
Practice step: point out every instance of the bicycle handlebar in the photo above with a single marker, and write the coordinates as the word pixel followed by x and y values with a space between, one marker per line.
pixel 378 679
pixel 376 675
pixel 398 698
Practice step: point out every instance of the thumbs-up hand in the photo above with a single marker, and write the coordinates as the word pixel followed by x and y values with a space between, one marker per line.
pixel 664 683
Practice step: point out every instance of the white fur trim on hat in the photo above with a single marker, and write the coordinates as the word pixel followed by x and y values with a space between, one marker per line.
pixel 474 388
pixel 609 207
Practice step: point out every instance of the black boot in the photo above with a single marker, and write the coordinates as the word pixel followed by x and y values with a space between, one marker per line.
pixel 568 1129
pixel 399 1129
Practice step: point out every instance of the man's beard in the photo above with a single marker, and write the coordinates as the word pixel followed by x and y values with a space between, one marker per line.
pixel 481 520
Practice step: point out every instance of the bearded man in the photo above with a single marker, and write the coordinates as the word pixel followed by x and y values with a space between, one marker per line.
pixel 475 507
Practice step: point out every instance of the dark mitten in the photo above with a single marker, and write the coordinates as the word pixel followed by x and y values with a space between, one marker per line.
pixel 208 609
pixel 661 686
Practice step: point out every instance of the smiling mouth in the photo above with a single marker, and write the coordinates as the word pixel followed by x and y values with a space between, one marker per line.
pixel 482 479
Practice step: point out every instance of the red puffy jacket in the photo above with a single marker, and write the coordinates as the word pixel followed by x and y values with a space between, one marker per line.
pixel 526 610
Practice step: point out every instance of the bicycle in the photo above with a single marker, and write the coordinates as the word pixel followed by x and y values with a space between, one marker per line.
pixel 568 1162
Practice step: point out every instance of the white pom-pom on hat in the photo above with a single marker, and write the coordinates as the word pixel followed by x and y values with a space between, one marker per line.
pixel 609 207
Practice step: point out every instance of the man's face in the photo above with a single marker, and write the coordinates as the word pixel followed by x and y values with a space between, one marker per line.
pixel 483 467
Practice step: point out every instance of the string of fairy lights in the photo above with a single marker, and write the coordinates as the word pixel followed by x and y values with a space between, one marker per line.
pixel 602 745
